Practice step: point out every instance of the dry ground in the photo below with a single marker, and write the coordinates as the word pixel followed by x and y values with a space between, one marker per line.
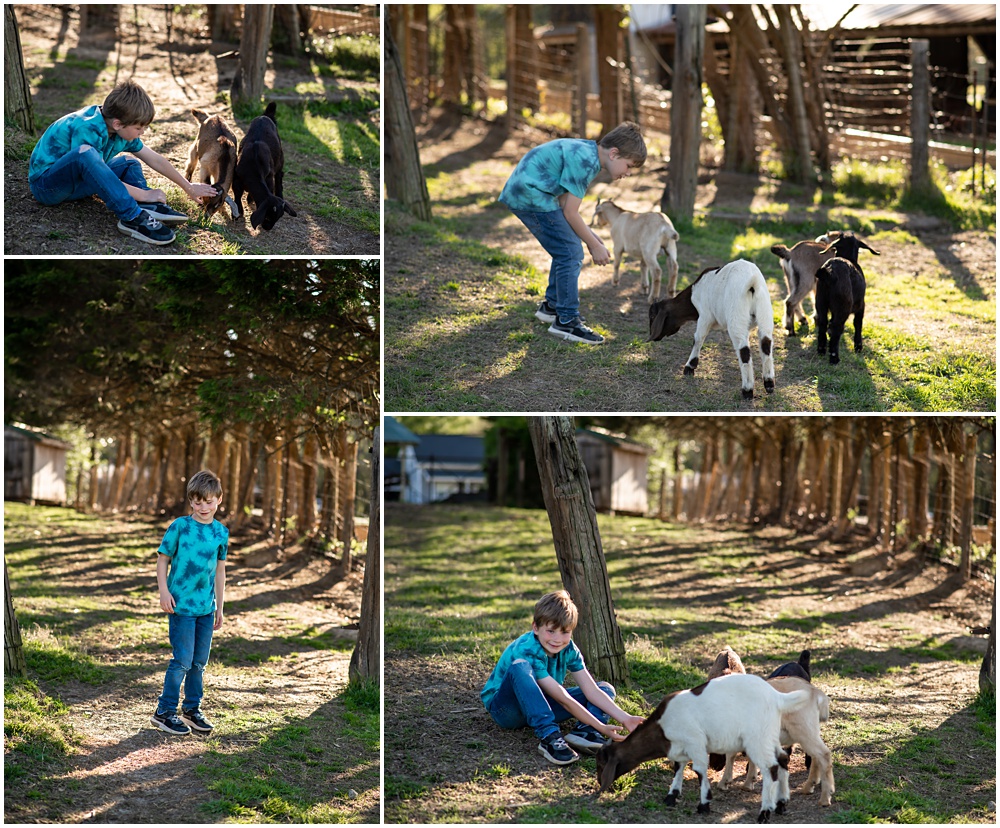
pixel 178 68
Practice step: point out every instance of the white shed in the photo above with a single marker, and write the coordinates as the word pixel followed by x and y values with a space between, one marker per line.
pixel 34 466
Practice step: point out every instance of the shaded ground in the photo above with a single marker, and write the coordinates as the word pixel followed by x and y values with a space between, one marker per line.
pixel 892 650
pixel 169 55
pixel 278 668
pixel 501 359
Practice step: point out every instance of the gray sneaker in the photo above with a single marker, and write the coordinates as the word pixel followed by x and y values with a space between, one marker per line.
pixel 575 331
pixel 546 313
pixel 555 749
pixel 163 213
pixel 586 740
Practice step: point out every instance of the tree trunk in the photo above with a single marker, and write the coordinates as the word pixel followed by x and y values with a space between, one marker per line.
pixel 14 663
pixel 802 169
pixel 287 19
pixel 968 505
pixel 570 505
pixel 404 181
pixel 367 655
pixel 685 116
pixel 522 64
pixel 607 20
pixel 307 504
pixel 920 118
pixel 222 20
pixel 988 670
pixel 349 473
pixel 248 84
pixel 16 92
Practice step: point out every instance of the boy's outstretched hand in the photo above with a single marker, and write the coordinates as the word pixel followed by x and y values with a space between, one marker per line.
pixel 632 722
pixel 599 252
pixel 613 732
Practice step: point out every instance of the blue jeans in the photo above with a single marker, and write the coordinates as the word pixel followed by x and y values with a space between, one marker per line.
pixel 191 639
pixel 82 172
pixel 564 246
pixel 520 702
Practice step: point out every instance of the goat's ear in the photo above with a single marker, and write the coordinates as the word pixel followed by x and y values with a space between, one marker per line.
pixel 609 773
pixel 659 313
pixel 828 249
pixel 866 247
pixel 289 210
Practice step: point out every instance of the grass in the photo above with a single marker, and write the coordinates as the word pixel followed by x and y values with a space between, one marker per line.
pixel 461 333
pixel 84 594
pixel 460 582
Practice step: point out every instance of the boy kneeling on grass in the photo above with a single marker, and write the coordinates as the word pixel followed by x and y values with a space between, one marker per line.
pixel 79 156
pixel 526 689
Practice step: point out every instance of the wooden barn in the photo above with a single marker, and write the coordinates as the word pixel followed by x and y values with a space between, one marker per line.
pixel 34 466
pixel 618 470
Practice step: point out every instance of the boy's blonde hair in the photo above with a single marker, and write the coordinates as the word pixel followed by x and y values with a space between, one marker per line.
pixel 204 485
pixel 628 139
pixel 557 609
pixel 129 103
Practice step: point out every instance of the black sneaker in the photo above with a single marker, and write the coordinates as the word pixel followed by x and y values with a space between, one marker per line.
pixel 163 213
pixel 575 331
pixel 555 749
pixel 196 721
pixel 586 739
pixel 546 313
pixel 169 723
pixel 145 228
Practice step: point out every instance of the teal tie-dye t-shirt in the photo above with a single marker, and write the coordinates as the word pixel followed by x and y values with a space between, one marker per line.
pixel 194 550
pixel 528 648
pixel 86 126
pixel 566 165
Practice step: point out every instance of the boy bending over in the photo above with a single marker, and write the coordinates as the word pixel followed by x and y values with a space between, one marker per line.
pixel 78 156
pixel 545 192
pixel 526 687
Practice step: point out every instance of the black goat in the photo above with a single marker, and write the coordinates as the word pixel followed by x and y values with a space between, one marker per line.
pixel 260 171
pixel 840 292
pixel 799 669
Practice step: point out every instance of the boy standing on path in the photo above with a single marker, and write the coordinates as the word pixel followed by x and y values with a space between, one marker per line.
pixel 80 155
pixel 526 687
pixel 545 192
pixel 192 595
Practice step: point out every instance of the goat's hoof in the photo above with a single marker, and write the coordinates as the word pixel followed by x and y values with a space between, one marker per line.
pixel 857 347
pixel 834 360
pixel 704 808
pixel 688 371
pixel 671 799
pixel 764 816
pixel 747 393
pixel 780 807
pixel 769 386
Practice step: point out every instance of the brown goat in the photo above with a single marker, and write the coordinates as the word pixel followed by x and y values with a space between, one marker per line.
pixel 215 149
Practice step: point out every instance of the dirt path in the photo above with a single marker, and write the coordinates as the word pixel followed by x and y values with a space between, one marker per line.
pixel 278 668
pixel 878 643
pixel 176 64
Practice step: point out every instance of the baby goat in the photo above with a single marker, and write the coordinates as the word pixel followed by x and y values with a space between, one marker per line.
pixel 215 148
pixel 724 715
pixel 799 266
pixel 733 297
pixel 260 171
pixel 645 235
pixel 840 291
pixel 801 727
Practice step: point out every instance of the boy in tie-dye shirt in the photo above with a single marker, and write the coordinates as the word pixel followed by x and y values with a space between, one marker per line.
pixel 191 576
pixel 545 192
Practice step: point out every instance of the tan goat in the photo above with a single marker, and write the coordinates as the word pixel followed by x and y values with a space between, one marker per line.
pixel 215 149
pixel 644 235
pixel 801 727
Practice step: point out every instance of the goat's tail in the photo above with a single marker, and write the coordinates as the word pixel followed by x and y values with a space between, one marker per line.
pixel 781 251
pixel 790 702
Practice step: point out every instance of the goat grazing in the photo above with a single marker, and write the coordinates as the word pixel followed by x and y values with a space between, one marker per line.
pixel 840 291
pixel 799 266
pixel 724 715
pixel 215 149
pixel 799 668
pixel 645 235
pixel 260 171
pixel 798 727
pixel 733 297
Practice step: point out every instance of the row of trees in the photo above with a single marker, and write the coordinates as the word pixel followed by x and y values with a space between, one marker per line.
pixel 780 467
pixel 264 371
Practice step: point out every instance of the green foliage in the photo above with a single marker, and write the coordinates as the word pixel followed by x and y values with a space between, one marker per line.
pixel 34 725
pixel 356 57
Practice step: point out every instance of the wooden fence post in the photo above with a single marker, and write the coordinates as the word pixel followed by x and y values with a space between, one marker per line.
pixel 920 117
pixel 14 663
